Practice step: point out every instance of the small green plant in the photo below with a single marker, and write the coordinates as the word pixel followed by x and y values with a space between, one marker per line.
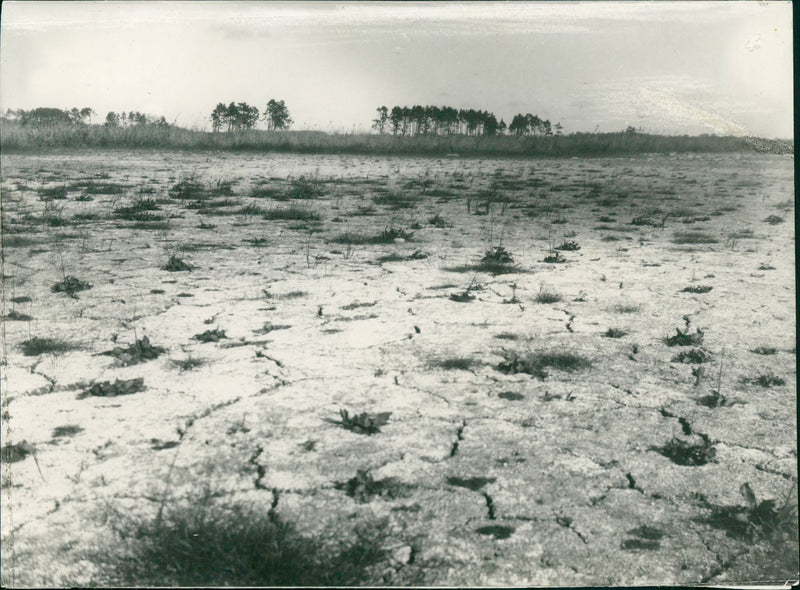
pixel 138 352
pixel 568 246
pixel 757 520
pixel 37 346
pixel 683 338
pixel 14 315
pixel 67 430
pixel 681 452
pixel 536 363
pixel 70 285
pixel 614 333
pixel 497 255
pixel 461 363
pixel 119 387
pixel 554 258
pixel 438 221
pixel 188 364
pixel 362 423
pixel 693 237
pixel 363 488
pixel 175 264
pixel 214 335
pixel 695 356
pixel 764 350
pixel 547 296
pixel 696 289
pixel 305 188
pixel 765 380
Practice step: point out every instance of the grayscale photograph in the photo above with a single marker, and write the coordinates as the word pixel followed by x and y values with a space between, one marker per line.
pixel 409 294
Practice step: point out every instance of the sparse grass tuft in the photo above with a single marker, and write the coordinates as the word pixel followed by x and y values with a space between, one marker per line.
pixel 138 352
pixel 37 346
pixel 189 363
pixel 693 237
pixel 16 316
pixel 536 363
pixel 175 264
pixel 681 452
pixel 547 296
pixel 765 380
pixel 67 430
pixel 214 335
pixel 291 214
pixel 568 246
pixel 460 363
pixel 615 333
pixel 695 356
pixel 70 285
pixel 773 220
pixel 764 350
pixel 696 289
pixel 204 544
pixel 683 338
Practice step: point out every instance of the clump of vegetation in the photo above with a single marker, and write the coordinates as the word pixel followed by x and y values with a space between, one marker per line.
pixel 683 338
pixel 395 201
pixel 536 363
pixel 773 220
pixel 176 264
pixel 291 214
pixel 758 520
pixel 214 335
pixel 695 356
pixel 766 380
pixel 681 452
pixel 693 237
pixel 614 333
pixel 138 352
pixel 205 544
pixel 387 236
pixel 461 363
pixel 438 221
pixel 498 255
pixel 394 257
pixel 696 289
pixel 547 296
pixel 568 246
pixel 464 297
pixel 188 364
pixel 37 346
pixel 627 307
pixel 364 488
pixel 119 387
pixel 67 430
pixel 554 258
pixel 51 193
pixel 14 315
pixel 362 423
pixel 764 350
pixel 305 188
pixel 13 453
pixel 140 210
pixel 70 285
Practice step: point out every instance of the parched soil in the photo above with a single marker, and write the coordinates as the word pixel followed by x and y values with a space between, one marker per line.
pixel 529 372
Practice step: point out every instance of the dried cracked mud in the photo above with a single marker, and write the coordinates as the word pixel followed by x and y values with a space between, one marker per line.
pixel 583 421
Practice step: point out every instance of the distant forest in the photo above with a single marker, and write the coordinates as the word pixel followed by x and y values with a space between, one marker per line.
pixel 402 131
pixel 425 120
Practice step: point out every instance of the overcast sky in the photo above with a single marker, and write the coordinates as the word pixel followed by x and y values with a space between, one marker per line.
pixel 674 67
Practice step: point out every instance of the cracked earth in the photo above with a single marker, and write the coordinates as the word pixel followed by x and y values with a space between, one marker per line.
pixel 482 476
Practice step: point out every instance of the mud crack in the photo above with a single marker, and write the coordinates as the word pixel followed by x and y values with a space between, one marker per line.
pixel 261 471
pixel 459 438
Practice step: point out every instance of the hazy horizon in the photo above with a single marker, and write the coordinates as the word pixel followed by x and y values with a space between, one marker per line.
pixel 664 67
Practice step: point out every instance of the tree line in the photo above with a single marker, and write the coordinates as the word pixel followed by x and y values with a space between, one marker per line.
pixel 425 120
pixel 44 117
pixel 238 116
